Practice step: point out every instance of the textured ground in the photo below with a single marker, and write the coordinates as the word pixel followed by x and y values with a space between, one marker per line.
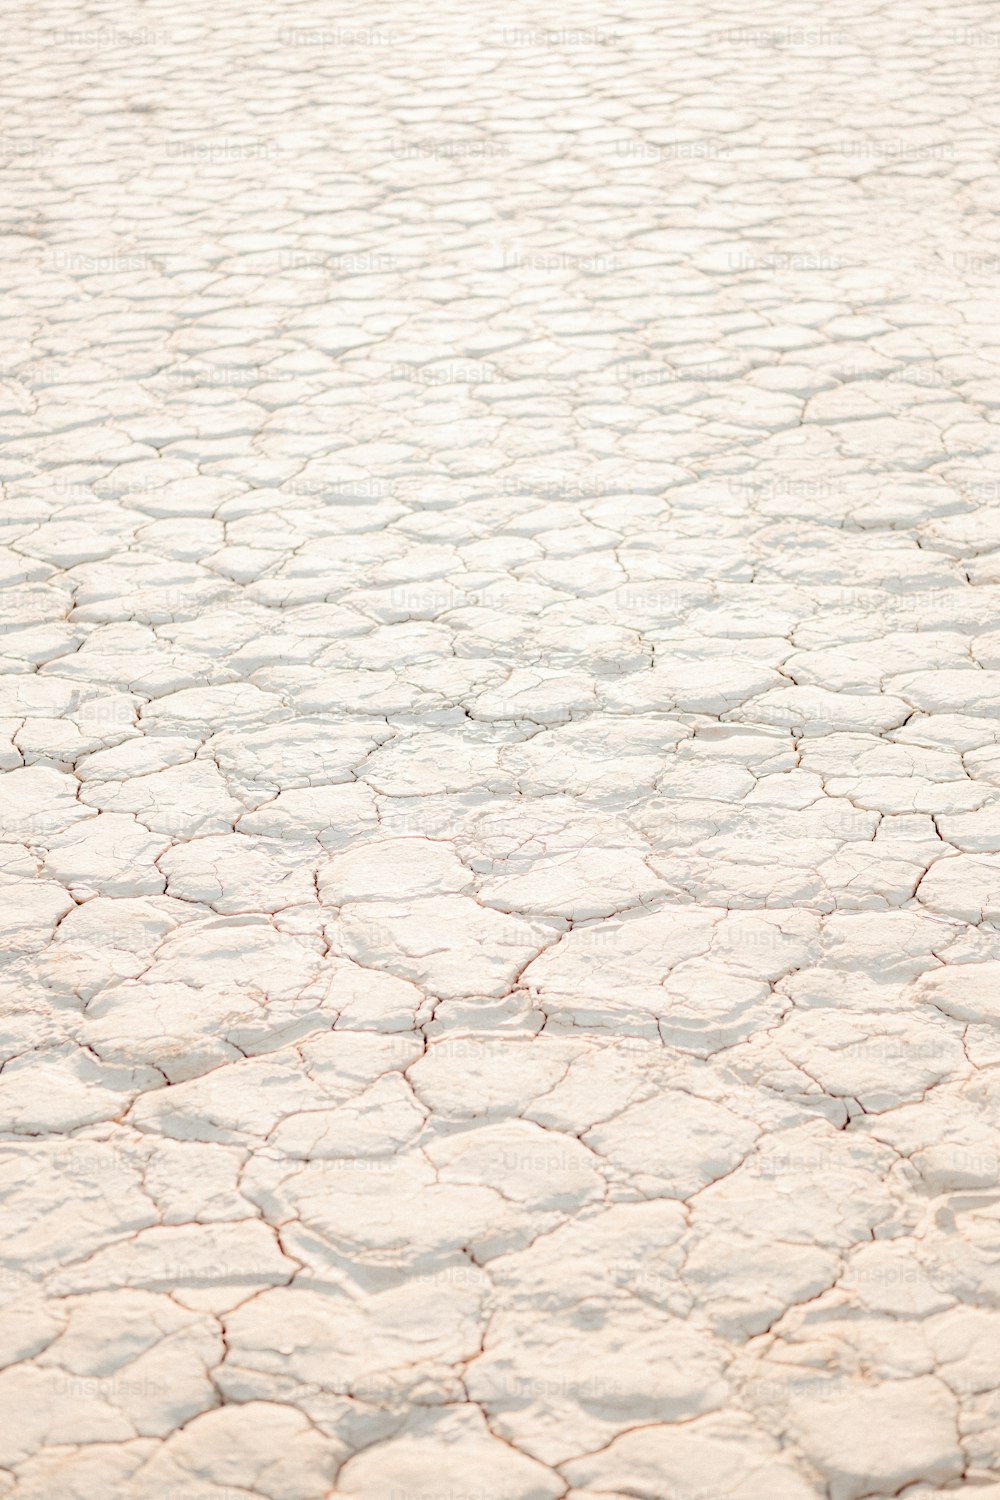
pixel 501 714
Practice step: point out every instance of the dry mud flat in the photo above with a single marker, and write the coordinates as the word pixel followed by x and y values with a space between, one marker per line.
pixel 500 712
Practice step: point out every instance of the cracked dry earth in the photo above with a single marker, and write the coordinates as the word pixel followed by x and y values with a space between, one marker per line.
pixel 500 706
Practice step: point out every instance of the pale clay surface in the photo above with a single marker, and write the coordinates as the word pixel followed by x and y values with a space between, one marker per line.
pixel 500 707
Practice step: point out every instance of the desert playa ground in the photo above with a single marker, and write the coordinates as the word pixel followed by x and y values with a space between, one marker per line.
pixel 500 721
